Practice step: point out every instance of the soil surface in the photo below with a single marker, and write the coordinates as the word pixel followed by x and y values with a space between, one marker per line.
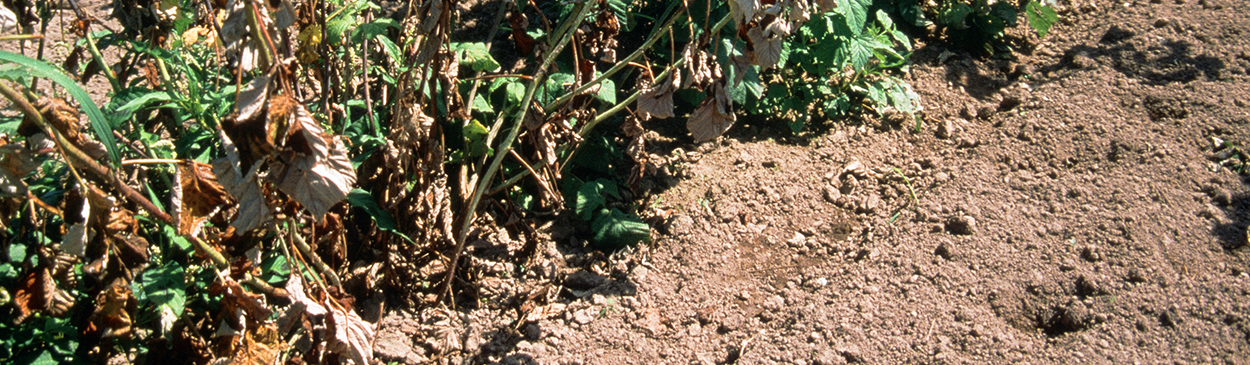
pixel 1065 206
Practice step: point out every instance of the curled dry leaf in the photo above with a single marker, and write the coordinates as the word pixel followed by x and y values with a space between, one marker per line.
pixel 767 41
pixel 713 117
pixel 318 174
pixel 38 292
pixel 657 101
pixel 349 336
pixel 111 317
pixel 700 65
pixel 15 163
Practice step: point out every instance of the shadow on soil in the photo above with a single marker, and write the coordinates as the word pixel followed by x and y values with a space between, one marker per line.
pixel 1232 232
pixel 1166 62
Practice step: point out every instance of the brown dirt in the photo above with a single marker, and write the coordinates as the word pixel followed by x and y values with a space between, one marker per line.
pixel 1068 210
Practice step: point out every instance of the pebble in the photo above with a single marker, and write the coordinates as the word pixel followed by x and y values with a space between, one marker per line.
pixel 962 225
pixel 946 129
pixel 941 177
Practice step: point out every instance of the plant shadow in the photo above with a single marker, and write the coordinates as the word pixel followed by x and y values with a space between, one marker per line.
pixel 1231 232
pixel 1166 62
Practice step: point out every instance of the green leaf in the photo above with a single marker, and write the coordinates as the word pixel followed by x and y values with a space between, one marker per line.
pixel 475 55
pixel 336 26
pixel 607 92
pixel 99 124
pixel 275 269
pixel 362 199
pixel 1040 17
pixel 17 253
pixel 591 196
pixel 377 27
pixel 615 230
pixel 390 47
pixel 475 139
pixel 954 14
pixel 480 104
pixel 856 13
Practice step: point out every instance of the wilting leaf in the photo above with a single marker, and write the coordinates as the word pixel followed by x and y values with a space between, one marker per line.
pixel 615 230
pixel 319 174
pixel 252 98
pixel 253 209
pixel 713 117
pixel 348 335
pixel 197 196
pixel 657 101
pixel 767 42
pixel 112 312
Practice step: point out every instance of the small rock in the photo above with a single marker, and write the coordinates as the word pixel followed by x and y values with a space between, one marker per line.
pixel 1161 22
pixel 941 177
pixel 797 241
pixel 832 194
pixel 963 225
pixel 679 225
pixel 532 332
pixel 968 112
pixel 946 129
pixel 985 112
pixel 1170 318
pixel 871 203
pixel 770 163
pixel 968 142
pixel 584 316
pixel 1221 196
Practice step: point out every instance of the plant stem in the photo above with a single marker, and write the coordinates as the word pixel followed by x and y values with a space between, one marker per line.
pixel 620 65
pixel 483 183
pixel 104 66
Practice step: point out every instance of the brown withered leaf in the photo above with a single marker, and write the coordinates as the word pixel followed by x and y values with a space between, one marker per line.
pixel 318 173
pixel 38 292
pixel 253 210
pixel 253 97
pixel 700 65
pixel 197 196
pixel 713 117
pixel 764 42
pixel 349 336
pixel 111 317
pixel 657 101
pixel 15 162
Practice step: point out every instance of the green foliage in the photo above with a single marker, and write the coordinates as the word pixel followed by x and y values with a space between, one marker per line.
pixel 612 229
pixel 1040 17
pixel 838 61
pixel 476 56
pixel 980 25
pixel 162 290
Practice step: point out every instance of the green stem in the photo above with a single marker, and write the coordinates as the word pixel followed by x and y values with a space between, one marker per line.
pixel 104 66
pixel 506 145
pixel 620 65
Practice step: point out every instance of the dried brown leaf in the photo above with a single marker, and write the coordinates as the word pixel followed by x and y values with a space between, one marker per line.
pixel 112 312
pixel 700 66
pixel 253 97
pixel 318 174
pixel 766 42
pixel 198 196
pixel 349 336
pixel 713 117
pixel 253 210
pixel 657 101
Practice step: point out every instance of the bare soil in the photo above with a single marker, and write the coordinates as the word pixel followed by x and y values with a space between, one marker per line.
pixel 1061 207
